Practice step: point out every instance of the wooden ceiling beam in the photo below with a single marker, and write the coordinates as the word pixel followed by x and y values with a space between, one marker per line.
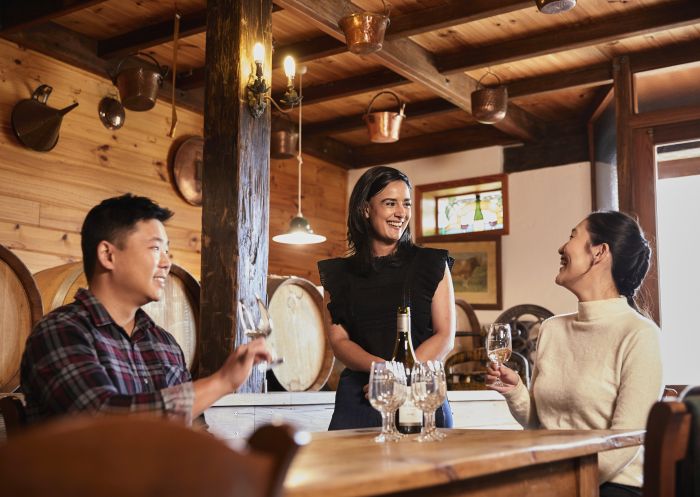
pixel 154 34
pixel 653 19
pixel 151 36
pixel 452 13
pixel 20 14
pixel 329 150
pixel 413 62
pixel 595 75
pixel 77 50
pixel 354 85
pixel 431 144
pixel 417 110
pixel 304 51
pixel 554 151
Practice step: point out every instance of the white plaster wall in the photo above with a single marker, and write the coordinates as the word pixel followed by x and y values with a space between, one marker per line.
pixel 679 272
pixel 545 204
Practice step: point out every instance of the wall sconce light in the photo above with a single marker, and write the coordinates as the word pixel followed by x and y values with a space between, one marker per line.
pixel 258 89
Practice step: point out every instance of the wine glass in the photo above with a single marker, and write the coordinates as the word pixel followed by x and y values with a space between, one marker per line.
pixel 440 396
pixel 262 329
pixel 382 396
pixel 499 345
pixel 400 395
pixel 429 391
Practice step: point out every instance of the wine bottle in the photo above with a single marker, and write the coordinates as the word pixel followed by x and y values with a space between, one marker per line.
pixel 478 215
pixel 409 419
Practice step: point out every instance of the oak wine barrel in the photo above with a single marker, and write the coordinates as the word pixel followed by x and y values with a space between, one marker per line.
pixel 299 333
pixel 20 309
pixel 177 311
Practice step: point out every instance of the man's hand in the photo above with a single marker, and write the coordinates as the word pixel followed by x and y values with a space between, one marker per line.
pixel 240 362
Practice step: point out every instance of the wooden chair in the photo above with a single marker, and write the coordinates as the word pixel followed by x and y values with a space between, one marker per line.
pixel 13 415
pixel 667 471
pixel 116 456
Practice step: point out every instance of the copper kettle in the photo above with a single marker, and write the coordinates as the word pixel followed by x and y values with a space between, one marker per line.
pixel 35 124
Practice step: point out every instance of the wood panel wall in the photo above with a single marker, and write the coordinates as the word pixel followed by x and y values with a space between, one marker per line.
pixel 45 196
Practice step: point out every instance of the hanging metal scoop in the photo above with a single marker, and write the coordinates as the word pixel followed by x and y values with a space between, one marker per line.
pixel 111 112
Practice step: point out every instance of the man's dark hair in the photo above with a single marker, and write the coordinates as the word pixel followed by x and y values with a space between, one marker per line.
pixel 112 220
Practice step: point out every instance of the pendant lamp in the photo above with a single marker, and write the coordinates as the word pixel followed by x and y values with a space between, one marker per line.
pixel 300 232
pixel 555 6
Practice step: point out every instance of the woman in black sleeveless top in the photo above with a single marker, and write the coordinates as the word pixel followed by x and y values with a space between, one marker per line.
pixel 385 270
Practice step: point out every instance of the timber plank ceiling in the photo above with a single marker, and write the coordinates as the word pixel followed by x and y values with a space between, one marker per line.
pixel 558 68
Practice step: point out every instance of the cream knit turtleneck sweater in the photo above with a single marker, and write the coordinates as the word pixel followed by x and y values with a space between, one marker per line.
pixel 597 369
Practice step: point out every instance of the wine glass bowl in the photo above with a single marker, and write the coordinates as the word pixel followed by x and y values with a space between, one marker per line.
pixel 262 329
pixel 499 346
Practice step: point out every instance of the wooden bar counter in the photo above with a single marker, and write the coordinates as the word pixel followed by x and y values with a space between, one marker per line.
pixel 488 463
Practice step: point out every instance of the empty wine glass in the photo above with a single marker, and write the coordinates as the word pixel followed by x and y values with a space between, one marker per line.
pixel 400 395
pixel 499 345
pixel 262 329
pixel 429 389
pixel 440 396
pixel 383 392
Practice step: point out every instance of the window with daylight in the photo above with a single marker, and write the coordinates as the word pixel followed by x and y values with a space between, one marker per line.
pixel 462 210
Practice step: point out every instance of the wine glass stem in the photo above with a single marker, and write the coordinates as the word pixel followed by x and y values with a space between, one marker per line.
pixel 498 381
pixel 429 421
pixel 385 423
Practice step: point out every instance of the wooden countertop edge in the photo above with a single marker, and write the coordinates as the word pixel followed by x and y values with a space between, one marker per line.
pixel 328 397
pixel 417 473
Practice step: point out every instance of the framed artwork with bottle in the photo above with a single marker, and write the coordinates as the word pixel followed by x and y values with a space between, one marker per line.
pixel 461 210
pixel 476 273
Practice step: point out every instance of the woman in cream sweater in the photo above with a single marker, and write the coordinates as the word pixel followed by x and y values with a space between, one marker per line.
pixel 598 368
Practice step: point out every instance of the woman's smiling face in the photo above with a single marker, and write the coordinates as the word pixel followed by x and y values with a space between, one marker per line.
pixel 576 256
pixel 389 212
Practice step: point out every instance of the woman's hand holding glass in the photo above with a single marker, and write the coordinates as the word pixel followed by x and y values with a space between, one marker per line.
pixel 499 347
pixel 387 391
pixel 429 389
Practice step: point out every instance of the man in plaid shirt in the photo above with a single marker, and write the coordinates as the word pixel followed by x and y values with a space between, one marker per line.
pixel 102 352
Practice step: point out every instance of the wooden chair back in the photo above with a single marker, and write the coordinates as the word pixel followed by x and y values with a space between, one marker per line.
pixel 667 471
pixel 13 415
pixel 114 456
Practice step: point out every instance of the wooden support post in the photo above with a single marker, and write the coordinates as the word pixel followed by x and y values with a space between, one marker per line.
pixel 235 180
pixel 624 109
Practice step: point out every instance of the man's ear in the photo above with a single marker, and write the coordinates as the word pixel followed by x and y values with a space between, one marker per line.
pixel 105 254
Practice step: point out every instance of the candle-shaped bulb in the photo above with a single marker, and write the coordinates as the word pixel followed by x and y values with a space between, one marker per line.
pixel 290 67
pixel 258 53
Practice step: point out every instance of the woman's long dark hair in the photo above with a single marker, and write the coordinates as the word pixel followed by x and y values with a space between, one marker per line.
pixel 360 231
pixel 630 250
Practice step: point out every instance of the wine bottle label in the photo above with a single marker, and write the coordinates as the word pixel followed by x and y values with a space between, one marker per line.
pixel 409 414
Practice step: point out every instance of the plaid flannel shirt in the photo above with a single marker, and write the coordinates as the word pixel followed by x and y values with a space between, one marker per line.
pixel 78 359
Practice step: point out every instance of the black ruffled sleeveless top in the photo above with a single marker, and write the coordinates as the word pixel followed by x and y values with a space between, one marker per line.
pixel 366 304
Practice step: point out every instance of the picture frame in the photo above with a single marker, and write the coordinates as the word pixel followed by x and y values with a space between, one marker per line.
pixel 446 211
pixel 476 273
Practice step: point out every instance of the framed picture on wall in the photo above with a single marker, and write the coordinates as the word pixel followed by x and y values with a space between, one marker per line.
pixel 467 209
pixel 476 273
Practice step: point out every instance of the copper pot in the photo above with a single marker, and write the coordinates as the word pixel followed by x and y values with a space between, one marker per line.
pixel 384 127
pixel 489 104
pixel 364 31
pixel 35 124
pixel 284 138
pixel 138 81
